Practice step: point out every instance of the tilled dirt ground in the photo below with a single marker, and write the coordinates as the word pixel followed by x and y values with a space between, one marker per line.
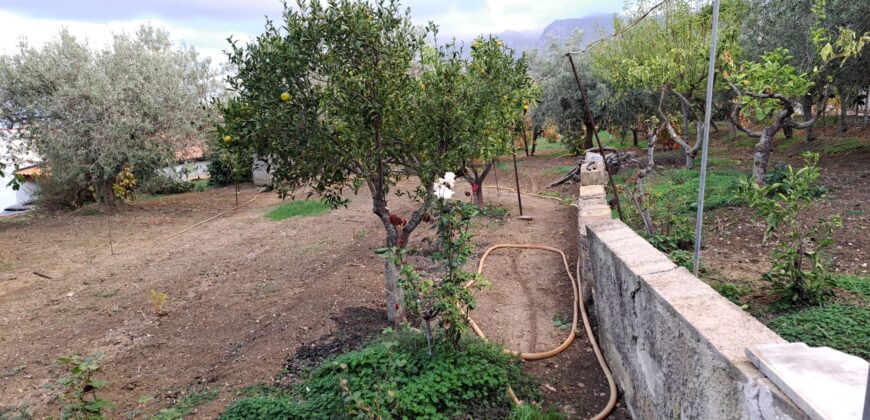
pixel 245 293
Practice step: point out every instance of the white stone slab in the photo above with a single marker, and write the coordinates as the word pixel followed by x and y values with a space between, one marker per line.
pixel 825 383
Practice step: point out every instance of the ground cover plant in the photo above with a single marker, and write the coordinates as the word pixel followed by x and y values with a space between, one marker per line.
pixel 298 208
pixel 396 377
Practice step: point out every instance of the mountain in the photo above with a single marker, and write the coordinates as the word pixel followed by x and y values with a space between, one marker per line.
pixel 561 29
pixel 558 31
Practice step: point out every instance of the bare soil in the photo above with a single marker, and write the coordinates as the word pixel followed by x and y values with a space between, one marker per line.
pixel 250 300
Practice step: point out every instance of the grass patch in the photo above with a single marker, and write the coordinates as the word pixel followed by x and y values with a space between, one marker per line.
pixel 682 185
pixel 187 405
pixel 848 144
pixel 298 208
pixel 542 145
pixel 559 169
pixel 859 285
pixel 395 377
pixel 843 327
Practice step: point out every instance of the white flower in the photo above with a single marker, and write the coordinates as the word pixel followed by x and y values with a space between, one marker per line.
pixel 442 191
pixel 450 179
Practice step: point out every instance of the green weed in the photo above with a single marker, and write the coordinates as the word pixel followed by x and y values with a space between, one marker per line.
pixel 843 327
pixel 298 208
pixel 731 291
pixel 13 371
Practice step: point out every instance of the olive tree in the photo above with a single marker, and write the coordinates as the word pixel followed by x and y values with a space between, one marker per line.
pixel 560 99
pixel 89 113
pixel 346 95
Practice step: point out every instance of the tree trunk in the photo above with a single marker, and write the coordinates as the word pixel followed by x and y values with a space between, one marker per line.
pixel 477 197
pixel 844 112
pixel 395 296
pixel 761 156
pixel 104 192
pixel 590 133
pixel 807 106
pixel 634 137
pixel 684 109
pixel 866 107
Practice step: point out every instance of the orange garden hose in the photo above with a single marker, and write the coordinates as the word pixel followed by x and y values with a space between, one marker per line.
pixel 578 304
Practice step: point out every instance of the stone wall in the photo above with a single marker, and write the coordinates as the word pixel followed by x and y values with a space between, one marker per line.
pixel 675 346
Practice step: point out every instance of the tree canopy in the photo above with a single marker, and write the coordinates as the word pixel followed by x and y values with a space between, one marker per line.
pixel 88 113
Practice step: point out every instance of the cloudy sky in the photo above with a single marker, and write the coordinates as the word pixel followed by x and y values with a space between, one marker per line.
pixel 206 24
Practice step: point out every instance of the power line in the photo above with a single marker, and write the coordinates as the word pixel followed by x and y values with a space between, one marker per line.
pixel 616 34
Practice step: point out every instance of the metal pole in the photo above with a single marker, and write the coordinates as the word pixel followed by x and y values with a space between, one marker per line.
pixel 702 182
pixel 517 179
pixel 595 132
pixel 495 173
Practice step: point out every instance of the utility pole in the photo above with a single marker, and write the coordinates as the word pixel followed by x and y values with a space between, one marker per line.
pixel 702 181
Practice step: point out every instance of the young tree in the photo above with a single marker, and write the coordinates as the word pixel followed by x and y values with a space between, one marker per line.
pixel 90 113
pixel 348 94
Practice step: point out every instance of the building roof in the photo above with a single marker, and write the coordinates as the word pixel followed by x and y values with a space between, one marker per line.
pixel 29 172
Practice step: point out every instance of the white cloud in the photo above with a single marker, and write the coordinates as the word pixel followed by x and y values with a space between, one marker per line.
pixel 210 43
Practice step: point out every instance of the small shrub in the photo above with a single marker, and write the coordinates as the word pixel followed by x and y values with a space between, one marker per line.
pixel 494 212
pixel 562 321
pixel 843 327
pixel 225 169
pixel 682 258
pixel 165 184
pixel 125 183
pixel 442 294
pixel 158 300
pixel 779 176
pixel 80 388
pixel 534 412
pixel 798 274
pixel 298 208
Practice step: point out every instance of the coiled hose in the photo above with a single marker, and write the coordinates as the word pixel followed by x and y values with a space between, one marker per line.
pixel 578 304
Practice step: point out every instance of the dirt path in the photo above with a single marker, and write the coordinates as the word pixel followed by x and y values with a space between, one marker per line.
pixel 245 293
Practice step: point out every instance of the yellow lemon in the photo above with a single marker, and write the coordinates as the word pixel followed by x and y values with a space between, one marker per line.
pixel 228 139
pixel 525 107
pixel 499 43
pixel 474 44
pixel 746 83
pixel 285 96
pixel 422 86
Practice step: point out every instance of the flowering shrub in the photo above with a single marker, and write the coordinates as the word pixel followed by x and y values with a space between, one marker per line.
pixel 442 294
